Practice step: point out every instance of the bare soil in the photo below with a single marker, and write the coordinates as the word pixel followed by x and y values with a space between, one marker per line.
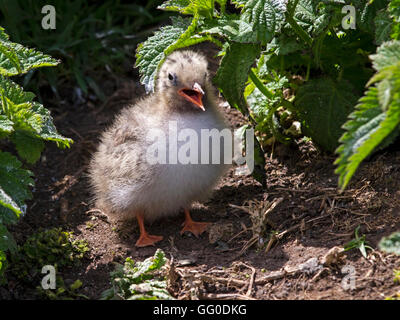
pixel 237 258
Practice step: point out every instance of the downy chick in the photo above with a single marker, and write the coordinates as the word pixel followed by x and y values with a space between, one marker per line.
pixel 126 184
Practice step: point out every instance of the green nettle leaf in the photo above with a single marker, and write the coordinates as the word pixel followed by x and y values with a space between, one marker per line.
pixel 388 54
pixel 174 5
pixel 16 59
pixel 384 93
pixel 265 16
pixel 394 9
pixel 376 121
pixel 363 122
pixel 312 17
pixel 26 123
pixel 366 130
pixel 391 244
pixel 151 53
pixel 192 7
pixel 284 44
pixel 258 104
pixel 14 92
pixel 29 147
pixel 7 242
pixel 8 202
pixel 233 73
pixel 231 28
pixel 366 13
pixel 6 126
pixel 9 54
pixel 48 130
pixel 3 35
pixel 28 116
pixel 14 183
pixel 140 280
pixel 383 27
pixel 323 105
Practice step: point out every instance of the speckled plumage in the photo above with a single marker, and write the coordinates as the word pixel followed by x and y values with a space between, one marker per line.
pixel 123 181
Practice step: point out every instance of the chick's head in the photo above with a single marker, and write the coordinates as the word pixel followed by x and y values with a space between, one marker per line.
pixel 183 81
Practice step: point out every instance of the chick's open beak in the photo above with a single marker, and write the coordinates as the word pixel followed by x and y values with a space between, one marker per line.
pixel 194 95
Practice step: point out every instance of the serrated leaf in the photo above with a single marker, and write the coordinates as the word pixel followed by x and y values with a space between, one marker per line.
pixel 231 28
pixel 388 54
pixel 174 5
pixel 323 106
pixel 27 115
pixel 3 35
pixel 8 202
pixel 283 44
pixel 367 127
pixel 14 183
pixel 384 93
pixel 314 18
pixel 258 104
pixel 148 265
pixel 140 280
pixel 48 130
pixel 15 92
pixel 28 147
pixel 16 59
pixel 9 54
pixel 192 7
pixel 366 12
pixel 233 73
pixel 6 126
pixel 265 16
pixel 383 27
pixel 394 9
pixel 151 53
pixel 376 121
pixel 7 241
pixel 391 243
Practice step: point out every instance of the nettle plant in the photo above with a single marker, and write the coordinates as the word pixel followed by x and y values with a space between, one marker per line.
pixel 25 123
pixel 303 60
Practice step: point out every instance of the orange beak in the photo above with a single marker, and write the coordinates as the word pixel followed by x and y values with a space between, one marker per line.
pixel 194 95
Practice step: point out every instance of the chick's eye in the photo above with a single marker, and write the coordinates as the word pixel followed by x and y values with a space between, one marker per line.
pixel 171 76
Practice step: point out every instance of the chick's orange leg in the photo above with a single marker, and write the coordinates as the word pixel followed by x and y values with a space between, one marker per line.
pixel 197 228
pixel 145 239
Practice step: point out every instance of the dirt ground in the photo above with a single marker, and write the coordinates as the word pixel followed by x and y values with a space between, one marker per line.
pixel 237 258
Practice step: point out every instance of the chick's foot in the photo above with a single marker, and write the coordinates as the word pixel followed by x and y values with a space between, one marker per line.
pixel 147 240
pixel 197 228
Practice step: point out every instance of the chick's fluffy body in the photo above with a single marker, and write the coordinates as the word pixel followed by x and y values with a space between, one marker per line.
pixel 124 182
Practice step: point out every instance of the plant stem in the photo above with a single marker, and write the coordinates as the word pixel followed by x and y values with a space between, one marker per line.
pixel 301 33
pixel 287 104
pixel 260 85
pixel 293 7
